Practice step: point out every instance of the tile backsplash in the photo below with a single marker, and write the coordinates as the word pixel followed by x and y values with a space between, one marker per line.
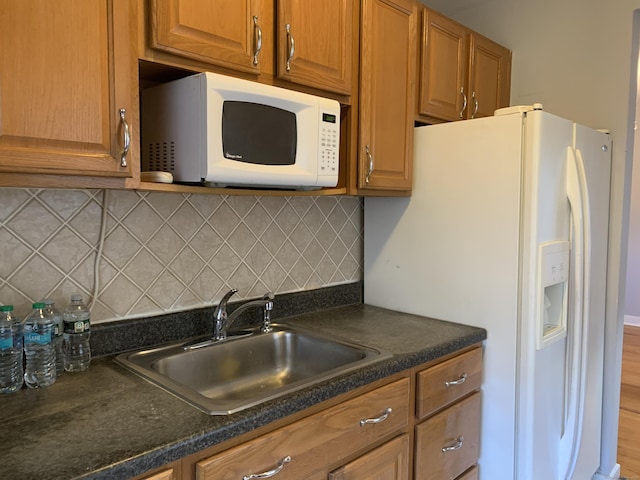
pixel 166 252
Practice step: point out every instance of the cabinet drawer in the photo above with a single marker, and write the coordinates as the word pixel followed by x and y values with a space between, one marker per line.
pixel 318 441
pixel 447 443
pixel 446 382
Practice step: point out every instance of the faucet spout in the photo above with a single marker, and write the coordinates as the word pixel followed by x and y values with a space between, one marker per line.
pixel 222 321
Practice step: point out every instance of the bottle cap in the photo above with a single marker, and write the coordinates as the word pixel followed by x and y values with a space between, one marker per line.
pixel 37 305
pixel 6 308
pixel 76 297
pixel 48 301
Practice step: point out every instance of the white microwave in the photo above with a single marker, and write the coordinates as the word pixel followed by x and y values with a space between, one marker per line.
pixel 222 131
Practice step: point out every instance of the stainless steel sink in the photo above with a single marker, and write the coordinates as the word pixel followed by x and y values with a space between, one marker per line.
pixel 239 373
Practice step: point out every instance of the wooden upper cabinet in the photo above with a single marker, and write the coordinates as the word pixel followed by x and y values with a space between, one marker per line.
pixel 489 76
pixel 315 43
pixel 227 33
pixel 387 94
pixel 463 75
pixel 444 72
pixel 67 68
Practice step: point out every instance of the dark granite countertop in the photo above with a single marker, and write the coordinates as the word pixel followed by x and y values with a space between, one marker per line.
pixel 108 423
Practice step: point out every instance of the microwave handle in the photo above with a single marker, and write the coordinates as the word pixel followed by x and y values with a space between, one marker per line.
pixel 257 39
pixel 292 47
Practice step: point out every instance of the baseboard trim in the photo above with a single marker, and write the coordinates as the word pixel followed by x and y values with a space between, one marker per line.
pixel 631 320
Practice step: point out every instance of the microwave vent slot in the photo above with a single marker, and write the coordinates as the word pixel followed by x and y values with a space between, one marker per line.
pixel 160 157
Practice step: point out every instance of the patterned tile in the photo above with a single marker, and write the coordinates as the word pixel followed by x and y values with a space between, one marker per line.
pixel 165 252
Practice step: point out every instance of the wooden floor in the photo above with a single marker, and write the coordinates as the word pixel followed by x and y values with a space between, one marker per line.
pixel 629 429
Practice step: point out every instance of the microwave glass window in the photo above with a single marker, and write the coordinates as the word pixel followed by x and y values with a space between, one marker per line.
pixel 258 134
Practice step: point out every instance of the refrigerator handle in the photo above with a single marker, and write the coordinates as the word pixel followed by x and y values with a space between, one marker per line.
pixel 577 350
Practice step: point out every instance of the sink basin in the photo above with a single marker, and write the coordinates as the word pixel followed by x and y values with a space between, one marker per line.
pixel 238 373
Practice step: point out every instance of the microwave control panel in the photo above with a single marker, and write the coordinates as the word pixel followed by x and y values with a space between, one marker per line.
pixel 329 144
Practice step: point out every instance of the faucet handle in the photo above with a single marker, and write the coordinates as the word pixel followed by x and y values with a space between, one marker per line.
pixel 221 310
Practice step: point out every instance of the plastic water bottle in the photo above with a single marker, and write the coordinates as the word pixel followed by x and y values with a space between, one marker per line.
pixel 40 369
pixel 11 370
pixel 77 330
pixel 58 329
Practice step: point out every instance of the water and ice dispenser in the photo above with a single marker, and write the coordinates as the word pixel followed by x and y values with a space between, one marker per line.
pixel 553 278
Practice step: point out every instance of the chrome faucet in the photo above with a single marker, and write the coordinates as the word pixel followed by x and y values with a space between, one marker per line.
pixel 222 321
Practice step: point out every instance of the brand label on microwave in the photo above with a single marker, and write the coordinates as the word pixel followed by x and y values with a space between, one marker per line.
pixel 232 156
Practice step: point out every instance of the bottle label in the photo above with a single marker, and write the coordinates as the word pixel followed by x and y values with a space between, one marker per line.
pixel 39 338
pixel 6 343
pixel 57 331
pixel 80 326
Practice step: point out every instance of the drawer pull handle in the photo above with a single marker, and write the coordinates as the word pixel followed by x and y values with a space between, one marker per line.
pixel 460 381
pixel 270 473
pixel 381 418
pixel 127 138
pixel 457 445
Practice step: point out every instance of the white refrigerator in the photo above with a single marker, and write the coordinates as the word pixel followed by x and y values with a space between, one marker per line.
pixel 507 230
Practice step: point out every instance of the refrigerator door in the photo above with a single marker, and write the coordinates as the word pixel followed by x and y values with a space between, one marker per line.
pixel 593 153
pixel 546 215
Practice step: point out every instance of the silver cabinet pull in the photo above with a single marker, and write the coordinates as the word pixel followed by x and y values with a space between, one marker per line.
pixel 457 445
pixel 292 47
pixel 475 103
pixel 257 39
pixel 460 381
pixel 270 473
pixel 127 139
pixel 370 160
pixel 381 418
pixel 464 102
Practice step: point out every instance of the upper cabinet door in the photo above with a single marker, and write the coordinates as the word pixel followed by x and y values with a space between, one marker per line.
pixel 221 32
pixel 387 94
pixel 444 63
pixel 489 77
pixel 67 69
pixel 315 43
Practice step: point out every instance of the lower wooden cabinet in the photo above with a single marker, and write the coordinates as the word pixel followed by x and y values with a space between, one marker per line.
pixel 163 475
pixel 388 462
pixel 447 443
pixel 470 475
pixel 447 439
pixel 307 447
pixel 375 435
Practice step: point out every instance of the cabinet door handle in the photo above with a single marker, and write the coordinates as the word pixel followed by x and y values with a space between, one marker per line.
pixel 270 473
pixel 292 47
pixel 460 381
pixel 257 39
pixel 457 445
pixel 464 102
pixel 475 103
pixel 370 167
pixel 379 419
pixel 127 139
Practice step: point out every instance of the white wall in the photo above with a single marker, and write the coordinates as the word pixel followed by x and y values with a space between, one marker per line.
pixel 576 58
